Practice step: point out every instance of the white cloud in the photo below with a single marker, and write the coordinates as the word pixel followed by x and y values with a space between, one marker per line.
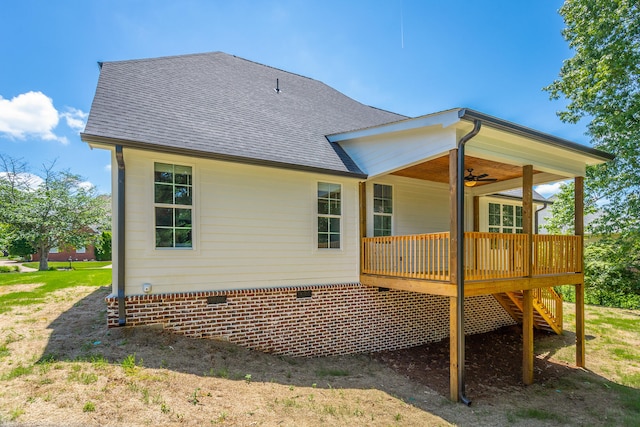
pixel 75 118
pixel 29 114
pixel 548 190
pixel 25 179
pixel 107 167
pixel 86 185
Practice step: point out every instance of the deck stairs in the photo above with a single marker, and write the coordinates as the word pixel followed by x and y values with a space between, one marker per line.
pixel 547 308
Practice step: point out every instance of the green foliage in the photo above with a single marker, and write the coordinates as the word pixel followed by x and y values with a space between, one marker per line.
pixel 600 83
pixel 601 80
pixel 53 210
pixel 612 275
pixel 103 247
pixel 20 247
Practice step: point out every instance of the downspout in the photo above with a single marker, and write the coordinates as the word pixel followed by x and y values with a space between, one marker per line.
pixel 537 220
pixel 460 258
pixel 122 314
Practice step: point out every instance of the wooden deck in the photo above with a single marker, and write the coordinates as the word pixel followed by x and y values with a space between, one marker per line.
pixel 493 262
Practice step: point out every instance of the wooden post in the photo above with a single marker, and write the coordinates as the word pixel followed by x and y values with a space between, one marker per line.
pixel 579 231
pixel 476 213
pixel 527 337
pixel 453 277
pixel 527 305
pixel 363 209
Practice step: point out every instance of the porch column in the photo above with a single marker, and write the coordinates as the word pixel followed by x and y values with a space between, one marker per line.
pixel 363 219
pixel 579 231
pixel 453 277
pixel 476 213
pixel 527 304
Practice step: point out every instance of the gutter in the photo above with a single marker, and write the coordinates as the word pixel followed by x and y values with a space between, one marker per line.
pixel 122 314
pixel 477 124
pixel 496 123
pixel 181 151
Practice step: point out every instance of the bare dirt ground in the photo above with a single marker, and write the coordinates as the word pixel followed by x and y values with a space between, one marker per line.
pixel 60 366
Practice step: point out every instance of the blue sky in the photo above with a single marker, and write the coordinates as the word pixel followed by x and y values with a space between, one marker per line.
pixel 408 56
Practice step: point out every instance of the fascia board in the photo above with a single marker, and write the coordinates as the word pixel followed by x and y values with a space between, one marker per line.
pixel 520 153
pixel 443 119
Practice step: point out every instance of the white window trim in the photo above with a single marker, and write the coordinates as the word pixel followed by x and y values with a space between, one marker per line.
pixel 153 204
pixel 393 207
pixel 317 215
pixel 484 210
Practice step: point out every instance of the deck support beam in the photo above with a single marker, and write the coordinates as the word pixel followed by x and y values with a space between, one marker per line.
pixel 579 231
pixel 527 337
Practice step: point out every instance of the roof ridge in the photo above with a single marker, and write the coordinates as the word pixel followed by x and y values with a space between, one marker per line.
pixel 165 57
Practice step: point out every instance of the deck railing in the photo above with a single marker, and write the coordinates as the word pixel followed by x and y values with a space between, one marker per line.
pixel 417 256
pixel 551 301
pixel 487 255
pixel 556 254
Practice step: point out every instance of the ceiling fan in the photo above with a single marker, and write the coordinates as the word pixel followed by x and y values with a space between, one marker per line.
pixel 471 179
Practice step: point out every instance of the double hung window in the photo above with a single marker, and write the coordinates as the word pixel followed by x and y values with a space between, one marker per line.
pixel 505 218
pixel 173 206
pixel 382 209
pixel 329 215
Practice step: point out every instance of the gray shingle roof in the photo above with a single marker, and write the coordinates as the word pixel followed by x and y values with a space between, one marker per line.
pixel 223 106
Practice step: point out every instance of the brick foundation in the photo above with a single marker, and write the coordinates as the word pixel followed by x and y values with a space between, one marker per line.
pixel 336 319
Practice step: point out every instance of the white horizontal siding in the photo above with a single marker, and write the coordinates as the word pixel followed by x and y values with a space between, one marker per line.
pixel 253 227
pixel 418 206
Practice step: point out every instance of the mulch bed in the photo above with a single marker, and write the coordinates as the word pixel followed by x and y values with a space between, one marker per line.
pixel 493 363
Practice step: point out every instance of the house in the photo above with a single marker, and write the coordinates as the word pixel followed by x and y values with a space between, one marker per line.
pixel 85 253
pixel 265 208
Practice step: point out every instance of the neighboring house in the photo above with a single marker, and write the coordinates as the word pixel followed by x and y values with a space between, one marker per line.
pixel 265 208
pixel 63 254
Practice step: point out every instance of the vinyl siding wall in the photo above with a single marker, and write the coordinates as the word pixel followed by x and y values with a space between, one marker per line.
pixel 253 227
pixel 418 206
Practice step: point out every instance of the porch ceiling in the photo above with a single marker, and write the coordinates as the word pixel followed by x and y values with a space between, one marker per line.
pixel 437 170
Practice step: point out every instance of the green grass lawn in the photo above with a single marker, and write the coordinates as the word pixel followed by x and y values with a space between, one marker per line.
pixel 45 282
pixel 76 265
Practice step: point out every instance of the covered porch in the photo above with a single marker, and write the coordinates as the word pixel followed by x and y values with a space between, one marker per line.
pixel 518 267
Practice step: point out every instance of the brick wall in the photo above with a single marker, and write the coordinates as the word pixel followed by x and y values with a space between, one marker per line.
pixel 336 319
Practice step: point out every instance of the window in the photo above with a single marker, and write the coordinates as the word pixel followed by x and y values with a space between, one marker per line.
pixel 382 209
pixel 81 250
pixel 173 189
pixel 505 218
pixel 329 215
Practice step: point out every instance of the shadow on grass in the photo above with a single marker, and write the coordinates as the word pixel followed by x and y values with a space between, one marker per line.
pixel 494 364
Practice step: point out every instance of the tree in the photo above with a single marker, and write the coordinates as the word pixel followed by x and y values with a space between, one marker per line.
pixel 602 83
pixel 20 247
pixel 49 211
pixel 103 247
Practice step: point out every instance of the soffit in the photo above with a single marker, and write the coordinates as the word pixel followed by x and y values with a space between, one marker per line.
pixel 437 170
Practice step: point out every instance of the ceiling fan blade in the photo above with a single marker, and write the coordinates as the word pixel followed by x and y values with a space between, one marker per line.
pixel 484 175
pixel 487 179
